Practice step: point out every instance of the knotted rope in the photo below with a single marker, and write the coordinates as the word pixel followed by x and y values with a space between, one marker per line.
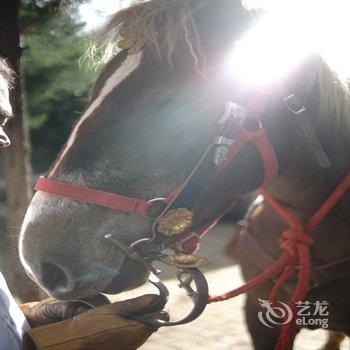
pixel 296 243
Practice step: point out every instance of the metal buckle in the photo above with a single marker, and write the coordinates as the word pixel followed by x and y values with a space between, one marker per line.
pixel 223 141
pixel 233 110
pixel 293 103
pixel 221 153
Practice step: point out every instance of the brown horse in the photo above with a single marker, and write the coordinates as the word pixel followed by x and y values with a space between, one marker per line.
pixel 151 115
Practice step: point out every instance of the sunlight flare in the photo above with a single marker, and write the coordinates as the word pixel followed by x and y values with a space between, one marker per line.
pixel 287 33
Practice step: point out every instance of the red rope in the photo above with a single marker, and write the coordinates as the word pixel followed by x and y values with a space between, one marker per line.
pixel 329 203
pixel 296 243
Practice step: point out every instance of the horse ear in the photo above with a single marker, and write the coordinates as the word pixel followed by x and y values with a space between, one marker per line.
pixel 220 22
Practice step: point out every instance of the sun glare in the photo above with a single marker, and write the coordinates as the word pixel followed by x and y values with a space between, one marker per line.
pixel 288 31
pixel 96 12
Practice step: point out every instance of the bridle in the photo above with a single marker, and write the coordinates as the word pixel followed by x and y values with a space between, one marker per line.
pixel 171 226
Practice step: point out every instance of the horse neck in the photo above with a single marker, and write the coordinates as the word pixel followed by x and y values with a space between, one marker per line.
pixel 302 189
pixel 304 185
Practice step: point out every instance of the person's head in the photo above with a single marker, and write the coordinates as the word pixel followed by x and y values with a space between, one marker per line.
pixel 6 81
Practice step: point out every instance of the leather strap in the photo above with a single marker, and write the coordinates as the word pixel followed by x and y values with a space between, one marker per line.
pixel 294 104
pixel 253 252
pixel 330 272
pixel 259 258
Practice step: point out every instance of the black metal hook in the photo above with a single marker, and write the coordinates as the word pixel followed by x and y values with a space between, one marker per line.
pixel 199 297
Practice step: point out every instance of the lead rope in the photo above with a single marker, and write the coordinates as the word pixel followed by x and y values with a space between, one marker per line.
pixel 296 243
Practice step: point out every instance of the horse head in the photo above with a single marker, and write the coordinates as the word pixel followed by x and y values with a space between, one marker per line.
pixel 152 114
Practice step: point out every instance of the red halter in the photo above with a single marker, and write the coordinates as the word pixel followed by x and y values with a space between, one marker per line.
pixel 263 145
pixel 93 196
pixel 141 207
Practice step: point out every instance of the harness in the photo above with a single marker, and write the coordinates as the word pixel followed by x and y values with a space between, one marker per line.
pixel 295 242
pixel 172 225
pixel 320 274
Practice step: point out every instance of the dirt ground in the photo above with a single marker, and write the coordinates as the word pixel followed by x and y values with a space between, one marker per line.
pixel 222 325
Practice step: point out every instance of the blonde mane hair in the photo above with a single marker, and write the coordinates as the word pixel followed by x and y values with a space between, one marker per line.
pixel 166 25
pixel 161 25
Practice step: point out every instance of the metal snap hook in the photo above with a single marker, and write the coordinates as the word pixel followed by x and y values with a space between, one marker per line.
pixel 199 297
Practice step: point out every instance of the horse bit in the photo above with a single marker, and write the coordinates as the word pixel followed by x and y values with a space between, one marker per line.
pixel 171 228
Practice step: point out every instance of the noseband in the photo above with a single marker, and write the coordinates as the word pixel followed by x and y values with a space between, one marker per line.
pixel 172 226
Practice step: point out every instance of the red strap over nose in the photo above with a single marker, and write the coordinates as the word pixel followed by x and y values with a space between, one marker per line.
pixel 92 196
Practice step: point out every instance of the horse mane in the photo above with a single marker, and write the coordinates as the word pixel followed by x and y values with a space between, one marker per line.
pixel 162 25
pixel 333 94
pixel 333 91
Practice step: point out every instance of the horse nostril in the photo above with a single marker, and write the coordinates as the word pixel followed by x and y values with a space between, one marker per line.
pixel 53 277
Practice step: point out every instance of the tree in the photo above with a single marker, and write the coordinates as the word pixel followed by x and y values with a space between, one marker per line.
pixel 17 16
pixel 54 99
pixel 16 162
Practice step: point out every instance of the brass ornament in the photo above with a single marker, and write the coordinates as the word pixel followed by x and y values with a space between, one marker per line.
pixel 175 221
pixel 185 260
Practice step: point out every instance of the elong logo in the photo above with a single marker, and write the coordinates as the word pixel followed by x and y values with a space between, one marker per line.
pixel 308 314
